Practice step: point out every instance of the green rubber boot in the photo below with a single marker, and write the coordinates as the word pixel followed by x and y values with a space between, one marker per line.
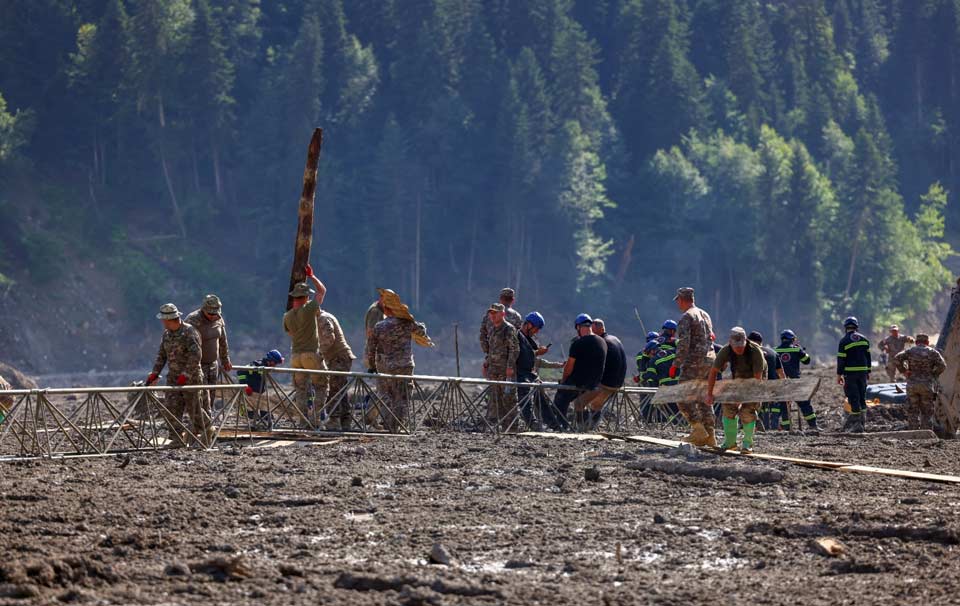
pixel 729 434
pixel 748 430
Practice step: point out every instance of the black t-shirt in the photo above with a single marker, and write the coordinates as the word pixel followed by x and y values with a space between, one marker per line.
pixel 615 365
pixel 773 362
pixel 527 358
pixel 590 353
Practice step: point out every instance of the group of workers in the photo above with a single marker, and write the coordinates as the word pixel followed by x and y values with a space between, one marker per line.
pixel 195 349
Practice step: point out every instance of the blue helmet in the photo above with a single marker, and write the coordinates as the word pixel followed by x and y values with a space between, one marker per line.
pixel 851 321
pixel 583 319
pixel 669 325
pixel 651 346
pixel 652 336
pixel 274 356
pixel 535 319
pixel 788 335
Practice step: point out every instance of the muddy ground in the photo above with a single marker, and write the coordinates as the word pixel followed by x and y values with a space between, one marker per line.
pixel 356 522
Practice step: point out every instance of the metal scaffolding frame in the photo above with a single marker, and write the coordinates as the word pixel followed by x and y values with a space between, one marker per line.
pixel 89 421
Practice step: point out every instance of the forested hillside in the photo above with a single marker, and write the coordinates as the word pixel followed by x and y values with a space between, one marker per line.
pixel 794 160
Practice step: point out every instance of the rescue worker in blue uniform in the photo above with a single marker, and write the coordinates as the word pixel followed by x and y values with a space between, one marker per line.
pixel 658 375
pixel 643 359
pixel 853 373
pixel 668 334
pixel 792 355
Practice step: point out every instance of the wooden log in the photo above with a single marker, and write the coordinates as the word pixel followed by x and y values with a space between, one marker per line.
pixel 740 390
pixel 751 475
pixel 301 248
pixel 947 409
pixel 912 434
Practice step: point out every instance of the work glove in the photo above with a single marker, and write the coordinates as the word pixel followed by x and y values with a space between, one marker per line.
pixel 152 378
pixel 673 372
pixel 371 371
pixel 636 379
pixel 227 366
pixel 308 271
pixel 181 379
pixel 248 390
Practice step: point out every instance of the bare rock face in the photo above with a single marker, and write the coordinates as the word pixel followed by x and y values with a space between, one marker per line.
pixel 17 379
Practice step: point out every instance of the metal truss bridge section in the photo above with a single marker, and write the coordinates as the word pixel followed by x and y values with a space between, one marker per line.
pixel 91 421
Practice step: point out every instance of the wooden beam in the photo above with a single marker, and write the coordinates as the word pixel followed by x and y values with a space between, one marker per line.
pixel 740 390
pixel 301 248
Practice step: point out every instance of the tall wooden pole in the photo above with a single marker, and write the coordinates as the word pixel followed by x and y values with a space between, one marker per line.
pixel 301 249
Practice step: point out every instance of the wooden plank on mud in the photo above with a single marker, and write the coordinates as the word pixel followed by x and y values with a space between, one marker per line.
pixel 832 465
pixel 740 390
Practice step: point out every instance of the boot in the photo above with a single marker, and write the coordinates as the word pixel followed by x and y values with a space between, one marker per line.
pixel 698 435
pixel 812 427
pixel 849 422
pixel 729 434
pixel 595 419
pixel 748 431
pixel 711 436
pixel 861 422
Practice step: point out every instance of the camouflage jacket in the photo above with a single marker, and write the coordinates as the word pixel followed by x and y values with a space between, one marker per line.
pixel 213 337
pixel 502 346
pixel 180 352
pixel 390 346
pixel 694 346
pixel 513 318
pixel 5 401
pixel 894 345
pixel 332 342
pixel 924 363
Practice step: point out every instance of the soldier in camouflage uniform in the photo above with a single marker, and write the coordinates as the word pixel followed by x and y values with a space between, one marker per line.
pixel 300 322
pixel 338 356
pixel 511 315
pixel 6 402
pixel 891 346
pixel 209 322
pixel 922 365
pixel 502 349
pixel 180 352
pixel 694 359
pixel 390 352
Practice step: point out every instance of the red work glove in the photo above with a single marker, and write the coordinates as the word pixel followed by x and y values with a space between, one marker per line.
pixel 227 366
pixel 673 372
pixel 636 379
pixel 248 390
pixel 152 378
pixel 182 379
pixel 308 271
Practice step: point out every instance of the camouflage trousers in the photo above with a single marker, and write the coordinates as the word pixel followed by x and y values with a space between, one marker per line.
pixel 747 412
pixel 308 408
pixel 396 397
pixel 921 400
pixel 211 376
pixel 338 404
pixel 891 369
pixel 503 400
pixel 176 403
pixel 696 412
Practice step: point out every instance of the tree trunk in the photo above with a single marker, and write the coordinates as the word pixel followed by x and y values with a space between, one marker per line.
pixel 301 249
pixel 217 179
pixel 854 253
pixel 173 196
pixel 416 261
pixel 196 166
pixel 473 249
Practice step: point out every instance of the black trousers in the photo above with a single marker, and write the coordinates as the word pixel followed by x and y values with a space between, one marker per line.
pixel 855 388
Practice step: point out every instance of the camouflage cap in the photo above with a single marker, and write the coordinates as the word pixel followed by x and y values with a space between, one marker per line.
pixel 894 327
pixel 497 307
pixel 168 311
pixel 738 336
pixel 212 304
pixel 508 293
pixel 301 289
pixel 684 293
